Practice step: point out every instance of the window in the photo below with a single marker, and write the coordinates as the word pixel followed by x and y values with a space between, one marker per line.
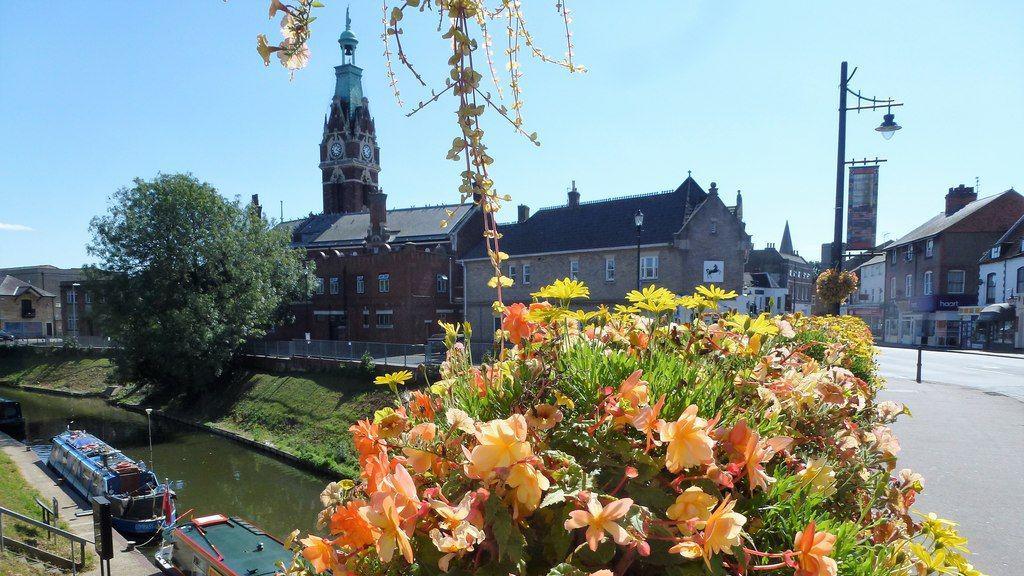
pixel 955 281
pixel 909 253
pixel 26 308
pixel 909 288
pixel 714 226
pixel 366 316
pixel 512 273
pixel 383 283
pixel 442 284
pixel 360 285
pixel 334 285
pixel 526 274
pixel 929 248
pixel 649 267
pixel 72 323
pixel 88 298
pixel 609 269
pixel 574 269
pixel 71 297
pixel 892 256
pixel 990 288
pixel 994 252
pixel 319 287
pixel 927 283
pixel 1020 281
pixel 385 319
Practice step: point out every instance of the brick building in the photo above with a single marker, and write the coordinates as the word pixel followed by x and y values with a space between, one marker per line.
pixel 50 279
pixel 788 270
pixel 26 310
pixel 382 275
pixel 689 237
pixel 932 272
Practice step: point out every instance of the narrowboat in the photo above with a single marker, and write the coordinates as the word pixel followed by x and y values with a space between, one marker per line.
pixel 217 545
pixel 140 504
pixel 11 420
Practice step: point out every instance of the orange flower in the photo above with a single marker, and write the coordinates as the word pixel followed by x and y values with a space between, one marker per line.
pixel 647 418
pixel 419 456
pixel 633 393
pixel 319 552
pixel 515 323
pixel 722 529
pixel 688 441
pixel 600 519
pixel 349 527
pixel 502 443
pixel 544 416
pixel 692 504
pixel 366 437
pixel 528 485
pixel 748 451
pixel 421 406
pixel 813 548
pixel 384 516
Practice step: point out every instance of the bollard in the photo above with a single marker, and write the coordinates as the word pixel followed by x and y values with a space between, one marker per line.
pixel 920 351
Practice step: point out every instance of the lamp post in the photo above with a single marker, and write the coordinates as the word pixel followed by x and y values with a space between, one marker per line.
pixel 887 128
pixel 149 424
pixel 638 219
pixel 74 308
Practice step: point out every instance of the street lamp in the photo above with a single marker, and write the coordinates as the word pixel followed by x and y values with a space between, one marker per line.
pixel 886 129
pixel 149 423
pixel 74 308
pixel 638 219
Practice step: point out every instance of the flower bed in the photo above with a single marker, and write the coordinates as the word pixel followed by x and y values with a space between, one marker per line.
pixel 622 442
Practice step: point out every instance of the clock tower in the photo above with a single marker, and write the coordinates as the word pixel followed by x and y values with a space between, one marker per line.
pixel 349 156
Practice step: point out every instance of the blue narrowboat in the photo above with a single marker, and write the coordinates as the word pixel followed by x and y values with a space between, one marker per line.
pixel 11 420
pixel 140 504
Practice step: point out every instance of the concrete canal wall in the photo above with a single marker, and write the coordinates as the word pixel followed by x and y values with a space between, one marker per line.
pixel 125 562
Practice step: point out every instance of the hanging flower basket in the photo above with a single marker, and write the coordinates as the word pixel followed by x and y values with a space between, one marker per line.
pixel 833 287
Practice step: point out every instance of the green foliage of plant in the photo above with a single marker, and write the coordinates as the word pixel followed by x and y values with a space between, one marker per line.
pixel 185 277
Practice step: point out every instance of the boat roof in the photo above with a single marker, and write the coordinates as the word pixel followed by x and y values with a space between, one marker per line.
pixel 235 543
pixel 92 450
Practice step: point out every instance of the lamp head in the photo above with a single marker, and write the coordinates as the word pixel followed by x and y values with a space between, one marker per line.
pixel 638 218
pixel 888 127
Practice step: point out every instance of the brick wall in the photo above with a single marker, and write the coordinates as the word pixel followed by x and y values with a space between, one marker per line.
pixel 11 317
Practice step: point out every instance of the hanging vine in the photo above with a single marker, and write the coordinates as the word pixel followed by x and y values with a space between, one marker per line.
pixel 464 25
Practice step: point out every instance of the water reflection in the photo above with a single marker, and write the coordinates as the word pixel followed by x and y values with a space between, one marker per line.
pixel 209 473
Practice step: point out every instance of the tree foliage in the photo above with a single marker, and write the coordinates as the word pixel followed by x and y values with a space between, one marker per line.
pixel 185 277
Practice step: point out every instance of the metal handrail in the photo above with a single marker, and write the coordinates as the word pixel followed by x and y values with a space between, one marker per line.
pixel 74 538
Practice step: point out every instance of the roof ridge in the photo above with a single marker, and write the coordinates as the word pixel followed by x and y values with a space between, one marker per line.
pixel 611 199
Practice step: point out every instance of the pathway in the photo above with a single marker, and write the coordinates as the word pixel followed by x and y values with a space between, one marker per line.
pixel 124 563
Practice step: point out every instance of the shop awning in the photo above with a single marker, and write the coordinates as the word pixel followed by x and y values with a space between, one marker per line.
pixel 997 312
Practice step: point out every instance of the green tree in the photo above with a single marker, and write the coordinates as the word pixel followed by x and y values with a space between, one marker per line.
pixel 185 277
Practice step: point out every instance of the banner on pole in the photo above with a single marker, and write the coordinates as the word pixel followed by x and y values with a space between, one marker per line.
pixel 862 208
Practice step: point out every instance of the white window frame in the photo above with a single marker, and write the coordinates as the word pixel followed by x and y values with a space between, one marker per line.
pixel 609 269
pixel 72 296
pixel 929 248
pixel 574 269
pixel 360 284
pixel 909 253
pixel 714 226
pixel 892 259
pixel 908 286
pixel 384 283
pixel 649 267
pixel 996 251
pixel 387 313
pixel 926 285
pixel 442 284
pixel 88 297
pixel 512 272
pixel 962 282
pixel 319 288
pixel 334 285
pixel 526 274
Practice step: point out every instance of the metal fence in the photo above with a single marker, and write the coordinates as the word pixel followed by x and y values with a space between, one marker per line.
pixel 406 355
pixel 85 342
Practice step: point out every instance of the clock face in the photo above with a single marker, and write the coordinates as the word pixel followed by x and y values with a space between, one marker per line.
pixel 336 150
pixel 367 152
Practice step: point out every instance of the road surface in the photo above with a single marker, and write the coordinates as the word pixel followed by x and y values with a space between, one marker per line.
pixel 966 437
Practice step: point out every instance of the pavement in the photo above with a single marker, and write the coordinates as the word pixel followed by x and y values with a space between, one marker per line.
pixel 965 437
pixel 125 562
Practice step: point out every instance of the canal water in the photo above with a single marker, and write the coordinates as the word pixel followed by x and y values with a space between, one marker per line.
pixel 209 473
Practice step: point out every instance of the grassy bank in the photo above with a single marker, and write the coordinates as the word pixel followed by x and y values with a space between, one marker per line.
pixel 304 414
pixel 66 372
pixel 16 494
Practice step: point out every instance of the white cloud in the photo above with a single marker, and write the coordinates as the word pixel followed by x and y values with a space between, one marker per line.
pixel 4 227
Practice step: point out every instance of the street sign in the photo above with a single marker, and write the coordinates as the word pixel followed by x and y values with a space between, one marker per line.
pixel 102 528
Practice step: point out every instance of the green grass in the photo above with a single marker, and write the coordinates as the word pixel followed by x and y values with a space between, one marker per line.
pixel 305 414
pixel 59 372
pixel 16 494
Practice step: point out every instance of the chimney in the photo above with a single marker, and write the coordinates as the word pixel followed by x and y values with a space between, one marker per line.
pixel 739 205
pixel 257 210
pixel 959 197
pixel 574 196
pixel 378 211
pixel 524 213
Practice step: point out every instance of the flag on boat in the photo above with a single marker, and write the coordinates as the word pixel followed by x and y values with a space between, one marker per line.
pixel 168 507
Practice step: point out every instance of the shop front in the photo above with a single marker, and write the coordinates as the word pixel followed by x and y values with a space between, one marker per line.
pixel 937 317
pixel 997 326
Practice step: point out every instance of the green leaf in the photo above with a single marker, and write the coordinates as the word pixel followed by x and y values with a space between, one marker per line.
pixel 553 497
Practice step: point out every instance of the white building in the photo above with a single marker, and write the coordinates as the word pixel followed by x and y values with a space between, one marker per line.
pixel 869 300
pixel 1000 324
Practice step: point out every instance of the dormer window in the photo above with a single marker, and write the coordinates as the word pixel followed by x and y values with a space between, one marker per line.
pixel 994 253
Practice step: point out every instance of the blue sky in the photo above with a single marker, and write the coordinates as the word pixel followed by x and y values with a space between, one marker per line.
pixel 742 93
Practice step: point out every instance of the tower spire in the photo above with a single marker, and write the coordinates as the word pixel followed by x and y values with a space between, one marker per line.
pixel 787 241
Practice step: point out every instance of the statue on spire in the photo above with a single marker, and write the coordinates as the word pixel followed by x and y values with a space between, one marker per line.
pixel 348 19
